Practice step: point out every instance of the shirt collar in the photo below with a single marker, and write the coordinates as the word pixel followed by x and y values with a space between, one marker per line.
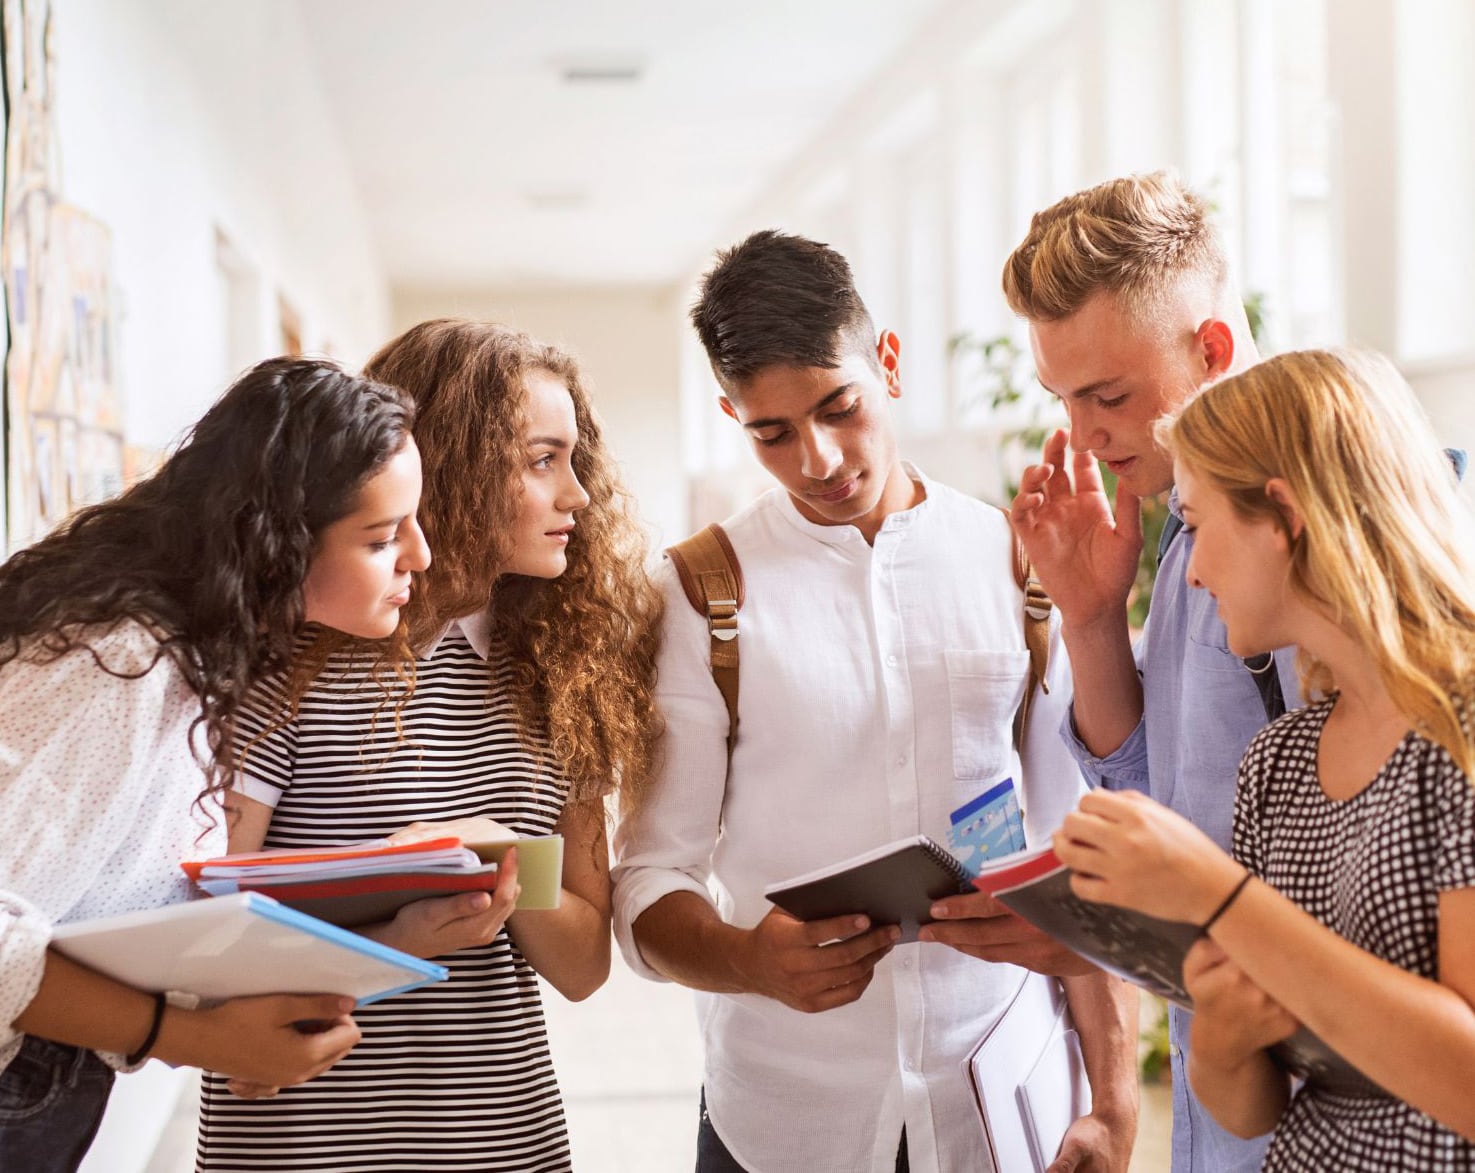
pixel 476 628
pixel 848 535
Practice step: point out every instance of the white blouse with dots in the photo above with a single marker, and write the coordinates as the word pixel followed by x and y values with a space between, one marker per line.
pixel 97 786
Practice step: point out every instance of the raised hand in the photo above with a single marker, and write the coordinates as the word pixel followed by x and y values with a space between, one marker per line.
pixel 814 965
pixel 1084 551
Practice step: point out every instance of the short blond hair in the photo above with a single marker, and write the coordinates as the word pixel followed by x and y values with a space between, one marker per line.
pixel 1138 237
pixel 1387 551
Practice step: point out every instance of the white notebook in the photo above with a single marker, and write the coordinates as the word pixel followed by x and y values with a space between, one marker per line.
pixel 1029 1079
pixel 234 946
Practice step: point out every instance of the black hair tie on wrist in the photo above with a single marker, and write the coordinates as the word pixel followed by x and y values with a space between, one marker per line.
pixel 1224 905
pixel 138 1056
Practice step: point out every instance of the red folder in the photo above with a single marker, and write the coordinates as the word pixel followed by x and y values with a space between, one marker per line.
pixel 361 900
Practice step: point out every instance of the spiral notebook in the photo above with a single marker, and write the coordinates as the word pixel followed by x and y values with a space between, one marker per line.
pixel 894 884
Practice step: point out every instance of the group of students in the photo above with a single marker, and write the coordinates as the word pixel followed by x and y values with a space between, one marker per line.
pixel 415 601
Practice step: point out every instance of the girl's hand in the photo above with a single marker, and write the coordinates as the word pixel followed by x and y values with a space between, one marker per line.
pixel 246 1090
pixel 476 830
pixel 1125 849
pixel 271 1041
pixel 1233 1017
pixel 442 924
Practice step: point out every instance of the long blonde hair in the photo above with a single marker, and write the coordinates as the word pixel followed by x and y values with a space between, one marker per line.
pixel 583 644
pixel 1388 549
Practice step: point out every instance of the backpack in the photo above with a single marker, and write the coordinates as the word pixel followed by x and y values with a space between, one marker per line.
pixel 712 580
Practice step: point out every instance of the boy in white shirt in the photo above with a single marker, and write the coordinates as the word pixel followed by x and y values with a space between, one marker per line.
pixel 883 660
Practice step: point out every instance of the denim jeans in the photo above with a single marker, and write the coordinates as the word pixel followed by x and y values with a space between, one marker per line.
pixel 51 1102
pixel 713 1157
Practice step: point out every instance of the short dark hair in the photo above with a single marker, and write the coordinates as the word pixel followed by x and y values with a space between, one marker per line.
pixel 779 300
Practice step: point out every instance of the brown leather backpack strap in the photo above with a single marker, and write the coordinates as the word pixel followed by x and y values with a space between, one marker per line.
pixel 1037 607
pixel 713 581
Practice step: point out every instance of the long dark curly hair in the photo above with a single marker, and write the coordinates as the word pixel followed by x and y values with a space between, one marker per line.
pixel 210 552
pixel 584 643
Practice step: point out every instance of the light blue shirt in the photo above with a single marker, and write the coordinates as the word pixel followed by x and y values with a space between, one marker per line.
pixel 1200 708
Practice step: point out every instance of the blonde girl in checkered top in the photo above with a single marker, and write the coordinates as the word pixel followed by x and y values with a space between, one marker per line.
pixel 1325 516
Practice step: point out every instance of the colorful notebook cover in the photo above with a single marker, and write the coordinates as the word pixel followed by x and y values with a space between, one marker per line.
pixel 361 900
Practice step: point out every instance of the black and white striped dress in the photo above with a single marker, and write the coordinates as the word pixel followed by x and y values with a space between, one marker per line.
pixel 455 1075
pixel 1371 868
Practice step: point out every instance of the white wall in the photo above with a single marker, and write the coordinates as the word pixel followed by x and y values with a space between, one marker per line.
pixel 1333 138
pixel 626 343
pixel 176 119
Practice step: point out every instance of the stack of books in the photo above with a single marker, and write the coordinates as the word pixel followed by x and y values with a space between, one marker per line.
pixel 350 886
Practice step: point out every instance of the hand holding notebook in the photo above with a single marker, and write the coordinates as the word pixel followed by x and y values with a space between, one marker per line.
pixel 894 884
pixel 1143 949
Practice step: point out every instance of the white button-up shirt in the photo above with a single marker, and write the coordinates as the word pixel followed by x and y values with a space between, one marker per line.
pixel 877 689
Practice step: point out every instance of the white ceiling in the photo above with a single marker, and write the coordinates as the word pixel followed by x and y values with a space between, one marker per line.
pixel 480 166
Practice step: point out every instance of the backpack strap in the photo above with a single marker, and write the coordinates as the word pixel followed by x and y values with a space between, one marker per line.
pixel 1037 608
pixel 713 581
pixel 1262 666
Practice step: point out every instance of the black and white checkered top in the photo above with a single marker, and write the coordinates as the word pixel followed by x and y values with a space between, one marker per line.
pixel 1370 867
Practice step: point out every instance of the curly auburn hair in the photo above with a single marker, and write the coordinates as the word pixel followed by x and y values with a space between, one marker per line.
pixel 210 553
pixel 584 643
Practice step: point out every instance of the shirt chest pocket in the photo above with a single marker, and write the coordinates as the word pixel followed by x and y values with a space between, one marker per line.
pixel 984 691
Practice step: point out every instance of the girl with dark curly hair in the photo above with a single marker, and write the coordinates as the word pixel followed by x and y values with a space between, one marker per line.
pixel 128 638
pixel 534 633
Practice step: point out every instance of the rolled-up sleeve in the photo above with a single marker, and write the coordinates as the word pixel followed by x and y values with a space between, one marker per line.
pixel 1125 768
pixel 666 845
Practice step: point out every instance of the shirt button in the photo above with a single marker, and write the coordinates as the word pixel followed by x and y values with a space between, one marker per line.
pixel 901 761
pixel 911 1065
pixel 891 660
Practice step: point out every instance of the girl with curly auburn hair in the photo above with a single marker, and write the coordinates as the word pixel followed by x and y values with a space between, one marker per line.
pixel 535 638
pixel 128 638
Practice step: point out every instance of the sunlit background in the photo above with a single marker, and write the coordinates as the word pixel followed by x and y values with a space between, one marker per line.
pixel 221 182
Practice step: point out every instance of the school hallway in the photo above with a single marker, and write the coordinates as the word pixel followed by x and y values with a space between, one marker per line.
pixel 629 1062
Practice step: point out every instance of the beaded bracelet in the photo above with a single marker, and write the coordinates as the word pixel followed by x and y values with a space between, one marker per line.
pixel 138 1056
pixel 1224 906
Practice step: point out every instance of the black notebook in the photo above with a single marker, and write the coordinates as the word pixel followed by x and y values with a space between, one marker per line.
pixel 894 884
